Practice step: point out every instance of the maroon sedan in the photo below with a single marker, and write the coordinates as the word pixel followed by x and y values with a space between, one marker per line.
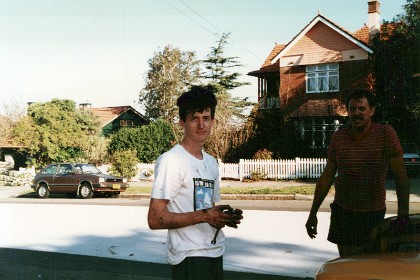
pixel 77 179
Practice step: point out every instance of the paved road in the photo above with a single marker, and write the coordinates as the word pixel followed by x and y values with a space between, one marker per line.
pixel 63 239
pixel 267 242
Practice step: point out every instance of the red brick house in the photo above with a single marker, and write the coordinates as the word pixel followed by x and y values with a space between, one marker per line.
pixel 310 77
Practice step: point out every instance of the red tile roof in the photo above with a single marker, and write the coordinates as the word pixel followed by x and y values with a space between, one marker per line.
pixel 107 114
pixel 362 34
pixel 321 108
pixel 267 66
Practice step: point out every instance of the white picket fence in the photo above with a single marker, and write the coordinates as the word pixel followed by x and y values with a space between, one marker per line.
pixel 298 168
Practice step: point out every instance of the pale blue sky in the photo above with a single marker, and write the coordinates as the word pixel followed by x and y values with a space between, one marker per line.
pixel 97 50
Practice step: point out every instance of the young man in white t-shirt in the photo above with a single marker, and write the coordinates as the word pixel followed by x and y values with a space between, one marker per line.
pixel 184 193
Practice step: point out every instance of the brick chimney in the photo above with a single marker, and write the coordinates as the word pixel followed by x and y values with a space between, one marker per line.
pixel 374 18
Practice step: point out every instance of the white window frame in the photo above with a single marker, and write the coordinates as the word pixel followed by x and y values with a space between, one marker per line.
pixel 322 78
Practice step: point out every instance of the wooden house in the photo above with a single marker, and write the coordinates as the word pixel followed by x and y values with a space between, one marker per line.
pixel 114 118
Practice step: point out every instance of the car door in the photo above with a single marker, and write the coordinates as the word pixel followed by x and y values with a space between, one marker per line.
pixel 47 175
pixel 64 180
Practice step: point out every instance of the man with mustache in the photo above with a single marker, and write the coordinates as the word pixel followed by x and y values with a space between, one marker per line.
pixel 358 160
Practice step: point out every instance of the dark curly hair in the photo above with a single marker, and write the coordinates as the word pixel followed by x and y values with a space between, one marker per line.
pixel 197 99
pixel 362 93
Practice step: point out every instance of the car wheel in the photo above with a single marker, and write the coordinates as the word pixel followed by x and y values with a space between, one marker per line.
pixel 86 191
pixel 43 191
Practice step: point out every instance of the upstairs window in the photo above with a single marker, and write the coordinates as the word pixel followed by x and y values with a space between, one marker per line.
pixel 127 123
pixel 322 78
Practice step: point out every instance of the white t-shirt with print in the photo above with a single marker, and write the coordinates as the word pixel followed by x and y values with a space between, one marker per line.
pixel 189 184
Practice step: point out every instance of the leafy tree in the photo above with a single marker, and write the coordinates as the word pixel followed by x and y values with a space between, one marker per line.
pixel 230 119
pixel 124 163
pixel 171 72
pixel 274 132
pixel 394 61
pixel 263 154
pixel 218 66
pixel 13 110
pixel 6 126
pixel 97 151
pixel 218 74
pixel 55 132
pixel 149 141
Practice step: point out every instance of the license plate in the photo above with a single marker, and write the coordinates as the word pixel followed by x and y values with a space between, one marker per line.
pixel 116 186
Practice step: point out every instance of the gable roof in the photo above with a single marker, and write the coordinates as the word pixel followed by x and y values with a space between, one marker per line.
pixel 108 114
pixel 321 108
pixel 329 23
pixel 359 38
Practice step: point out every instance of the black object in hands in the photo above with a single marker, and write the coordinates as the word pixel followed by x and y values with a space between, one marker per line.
pixel 215 236
pixel 231 212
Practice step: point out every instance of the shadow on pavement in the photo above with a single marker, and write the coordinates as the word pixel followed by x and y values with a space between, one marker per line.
pixel 26 264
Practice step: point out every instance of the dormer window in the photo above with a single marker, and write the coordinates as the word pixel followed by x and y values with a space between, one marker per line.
pixel 322 78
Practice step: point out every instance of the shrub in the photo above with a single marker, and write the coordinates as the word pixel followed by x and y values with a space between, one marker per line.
pixel 149 141
pixel 124 163
pixel 258 175
pixel 263 154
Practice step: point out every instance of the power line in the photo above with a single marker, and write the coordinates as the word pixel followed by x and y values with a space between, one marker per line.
pixel 209 22
pixel 247 52
pixel 182 12
pixel 185 4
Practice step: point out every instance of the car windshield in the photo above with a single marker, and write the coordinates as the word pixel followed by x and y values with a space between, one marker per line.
pixel 50 170
pixel 88 168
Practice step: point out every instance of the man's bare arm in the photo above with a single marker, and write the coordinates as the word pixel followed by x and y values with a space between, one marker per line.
pixel 402 185
pixel 323 185
pixel 160 218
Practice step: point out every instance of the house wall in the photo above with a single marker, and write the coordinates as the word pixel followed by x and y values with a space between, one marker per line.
pixel 292 87
pixel 353 74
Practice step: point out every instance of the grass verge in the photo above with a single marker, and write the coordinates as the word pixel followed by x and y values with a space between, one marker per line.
pixel 304 190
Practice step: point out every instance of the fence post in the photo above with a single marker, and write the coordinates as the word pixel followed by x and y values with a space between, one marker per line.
pixel 297 168
pixel 241 171
pixel 220 169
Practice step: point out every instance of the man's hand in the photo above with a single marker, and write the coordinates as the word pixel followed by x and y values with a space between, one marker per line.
pixel 223 215
pixel 236 217
pixel 311 226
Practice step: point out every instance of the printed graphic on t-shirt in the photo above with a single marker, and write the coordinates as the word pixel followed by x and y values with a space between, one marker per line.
pixel 203 193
